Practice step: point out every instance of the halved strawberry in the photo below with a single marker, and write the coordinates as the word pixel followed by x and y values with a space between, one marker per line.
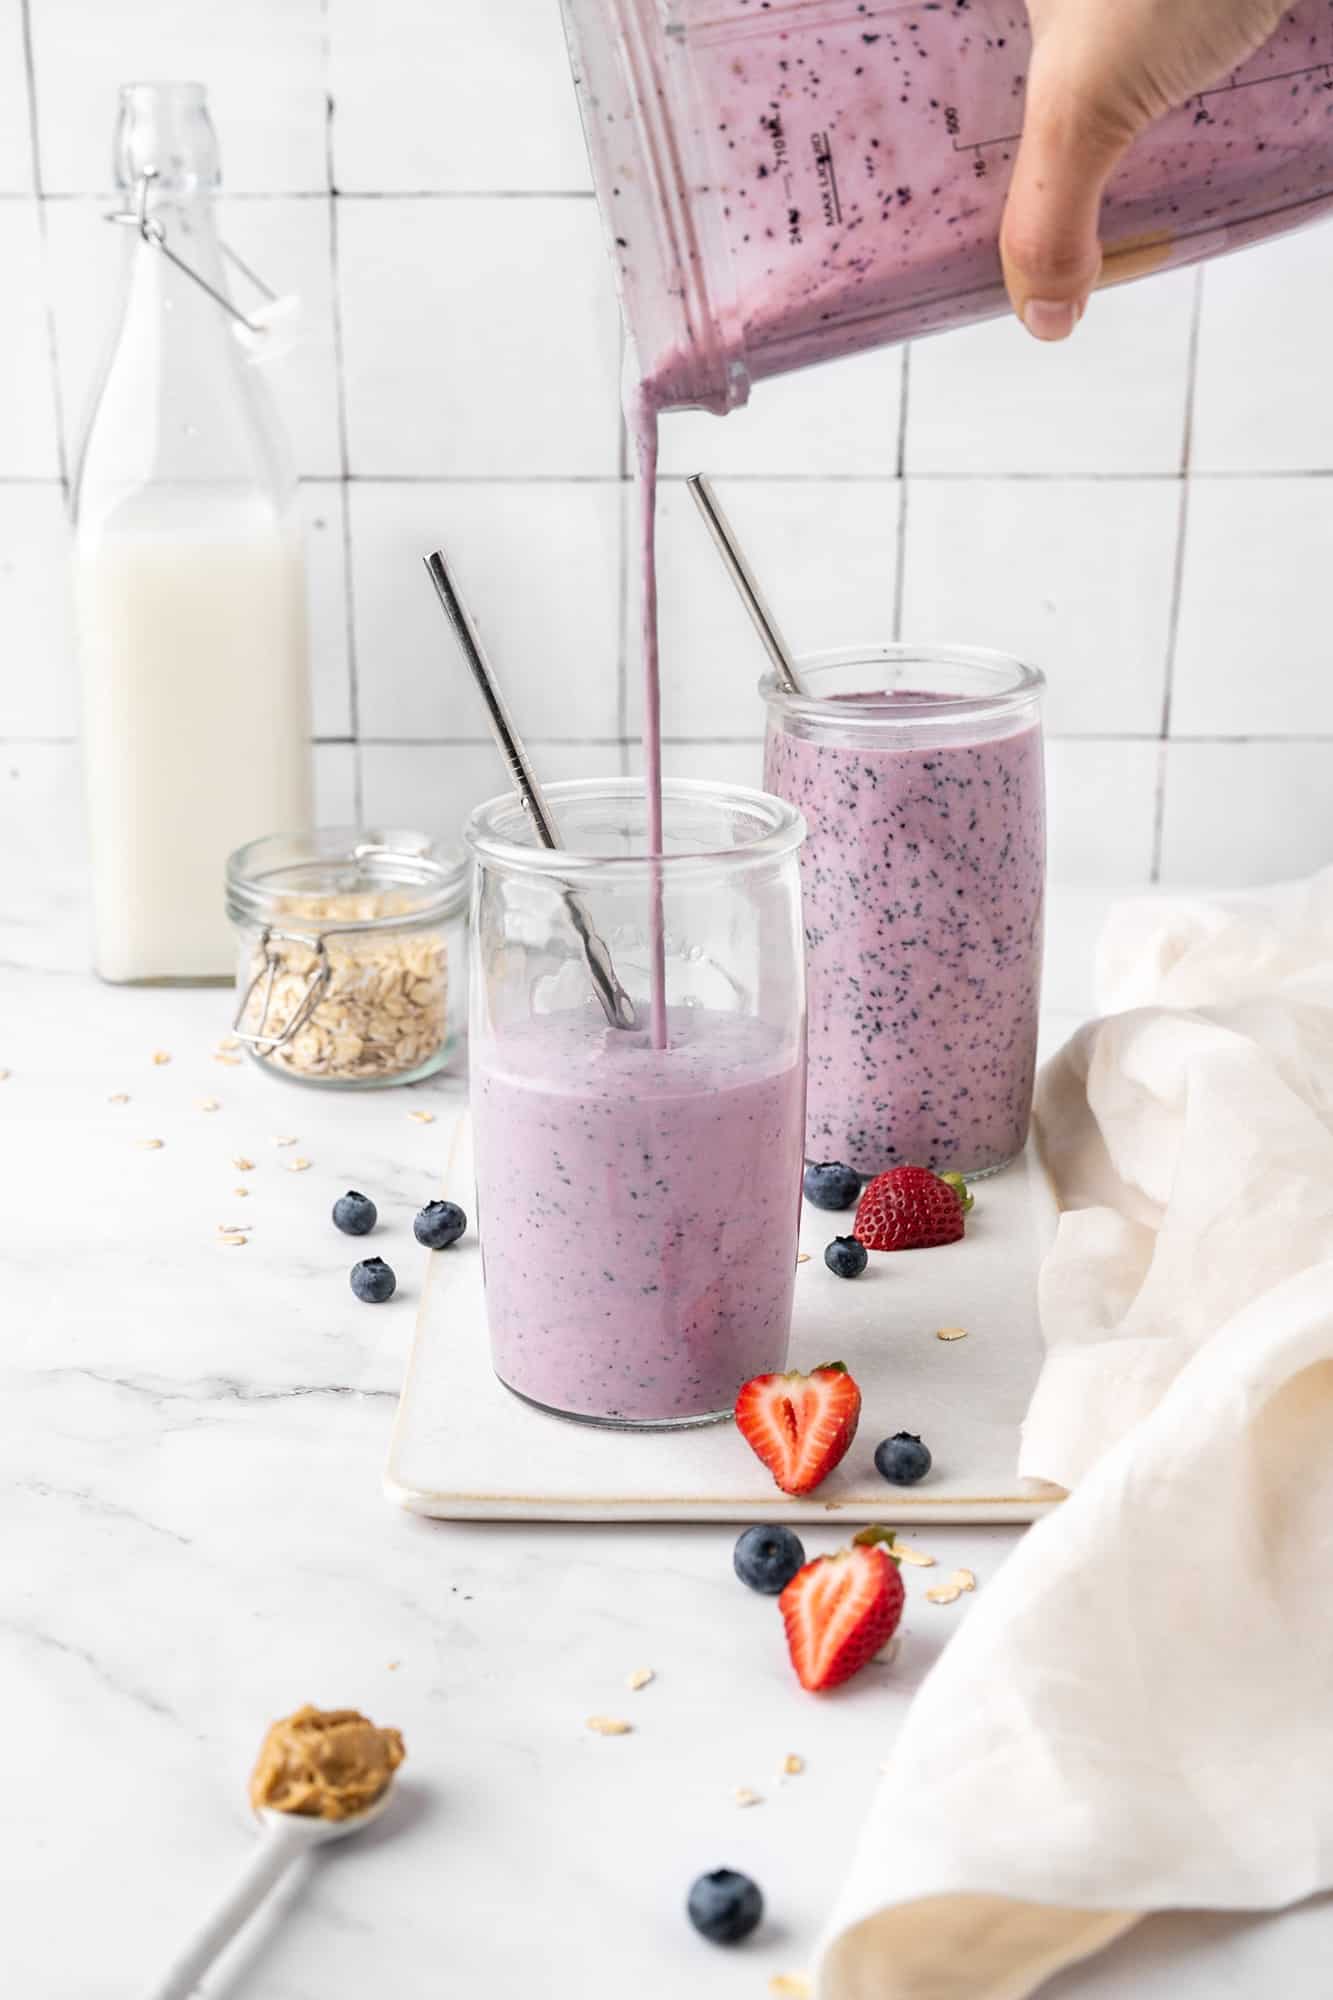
pixel 839 1610
pixel 909 1208
pixel 800 1425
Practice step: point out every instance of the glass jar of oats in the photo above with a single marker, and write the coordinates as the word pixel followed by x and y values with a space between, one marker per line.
pixel 351 969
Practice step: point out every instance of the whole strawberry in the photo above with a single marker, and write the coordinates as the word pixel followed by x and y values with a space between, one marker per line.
pixel 909 1208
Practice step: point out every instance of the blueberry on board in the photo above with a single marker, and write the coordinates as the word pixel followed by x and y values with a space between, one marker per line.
pixel 831 1185
pixel 439 1224
pixel 902 1459
pixel 355 1214
pixel 768 1558
pixel 725 1906
pixel 373 1281
pixel 846 1257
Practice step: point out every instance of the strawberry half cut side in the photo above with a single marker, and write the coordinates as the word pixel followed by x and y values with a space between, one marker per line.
pixel 839 1610
pixel 800 1425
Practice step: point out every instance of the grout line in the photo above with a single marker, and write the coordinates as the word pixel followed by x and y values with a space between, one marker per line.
pixel 1177 578
pixel 901 466
pixel 463 194
pixel 20 739
pixel 48 306
pixel 344 458
pixel 611 478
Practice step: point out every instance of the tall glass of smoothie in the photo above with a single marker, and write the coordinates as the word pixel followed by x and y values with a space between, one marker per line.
pixel 919 772
pixel 638 1203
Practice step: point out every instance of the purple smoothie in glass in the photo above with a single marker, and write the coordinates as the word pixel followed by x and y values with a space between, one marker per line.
pixel 922 879
pixel 640 1212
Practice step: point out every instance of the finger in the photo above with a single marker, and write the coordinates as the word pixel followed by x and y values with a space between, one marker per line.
pixel 1048 241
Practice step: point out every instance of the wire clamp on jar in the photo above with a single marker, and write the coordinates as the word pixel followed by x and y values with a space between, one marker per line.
pixel 256 1038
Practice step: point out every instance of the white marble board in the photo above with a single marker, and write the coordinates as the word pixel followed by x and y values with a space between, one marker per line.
pixel 464 1448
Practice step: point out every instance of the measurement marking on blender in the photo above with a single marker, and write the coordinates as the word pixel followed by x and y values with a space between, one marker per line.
pixel 953 123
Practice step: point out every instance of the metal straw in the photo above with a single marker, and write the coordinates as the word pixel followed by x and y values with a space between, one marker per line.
pixel 616 1003
pixel 741 575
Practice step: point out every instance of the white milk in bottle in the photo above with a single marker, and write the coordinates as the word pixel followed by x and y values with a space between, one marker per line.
pixel 189 582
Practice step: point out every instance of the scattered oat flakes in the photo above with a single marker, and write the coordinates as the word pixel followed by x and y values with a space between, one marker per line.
pixel 745 1797
pixel 161 1057
pixel 234 1228
pixel 150 1145
pixel 886 1657
pixel 394 1666
pixel 209 1104
pixel 608 1725
pixel 640 1678
pixel 229 1042
pixel 804 1257
pixel 119 1097
pixel 917 1558
pixel 423 1117
pixel 297 1166
pixel 234 1241
pixel 4 1076
pixel 242 1165
pixel 790 1986
pixel 964 1578
pixel 945 1593
pixel 287 1139
pixel 792 1765
pixel 951 1333
pixel 242 1192
pixel 230 1062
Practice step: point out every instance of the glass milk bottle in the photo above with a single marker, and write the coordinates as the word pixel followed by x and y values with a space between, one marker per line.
pixel 189 576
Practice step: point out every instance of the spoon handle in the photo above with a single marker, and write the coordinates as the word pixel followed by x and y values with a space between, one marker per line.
pixel 274 1852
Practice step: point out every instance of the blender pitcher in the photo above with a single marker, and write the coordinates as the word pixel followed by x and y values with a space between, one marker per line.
pixel 785 183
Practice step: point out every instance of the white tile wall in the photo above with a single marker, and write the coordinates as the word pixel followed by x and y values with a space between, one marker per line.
pixel 540 564
pixel 416 171
pixel 262 60
pixel 1074 575
pixel 28 447
pixel 1255 650
pixel 480 337
pixel 15 135
pixel 425 103
pixel 1247 812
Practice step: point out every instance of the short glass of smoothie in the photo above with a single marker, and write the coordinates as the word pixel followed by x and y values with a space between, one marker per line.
pixel 919 772
pixel 638 1189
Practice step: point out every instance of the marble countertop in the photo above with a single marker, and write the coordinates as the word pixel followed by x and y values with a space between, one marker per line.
pixel 196 1540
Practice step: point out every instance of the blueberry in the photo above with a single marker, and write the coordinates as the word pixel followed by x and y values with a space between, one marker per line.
pixel 355 1214
pixel 831 1185
pixel 768 1558
pixel 725 1906
pixel 902 1459
pixel 373 1281
pixel 439 1224
pixel 846 1257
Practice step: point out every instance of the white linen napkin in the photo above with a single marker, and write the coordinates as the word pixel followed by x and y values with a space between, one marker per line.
pixel 1138 1714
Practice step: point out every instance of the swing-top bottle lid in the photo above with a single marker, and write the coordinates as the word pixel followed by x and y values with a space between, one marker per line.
pixel 165 131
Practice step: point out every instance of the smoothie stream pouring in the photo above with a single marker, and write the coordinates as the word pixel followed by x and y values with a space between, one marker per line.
pixel 783 184
pixel 638 1204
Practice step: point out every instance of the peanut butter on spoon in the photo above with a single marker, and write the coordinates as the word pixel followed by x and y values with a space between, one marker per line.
pixel 325 1763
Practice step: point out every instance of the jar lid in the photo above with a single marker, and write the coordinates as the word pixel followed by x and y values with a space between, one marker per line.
pixel 353 878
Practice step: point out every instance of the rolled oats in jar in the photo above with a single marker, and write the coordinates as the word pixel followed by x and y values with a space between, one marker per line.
pixel 351 967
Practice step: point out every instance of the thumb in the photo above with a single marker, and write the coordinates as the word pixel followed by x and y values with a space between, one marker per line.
pixel 1048 241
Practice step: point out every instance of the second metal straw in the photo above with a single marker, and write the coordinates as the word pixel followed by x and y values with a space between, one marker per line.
pixel 741 575
pixel 616 1003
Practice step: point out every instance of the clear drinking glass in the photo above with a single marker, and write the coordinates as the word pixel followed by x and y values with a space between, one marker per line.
pixel 782 183
pixel 919 772
pixel 638 1205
